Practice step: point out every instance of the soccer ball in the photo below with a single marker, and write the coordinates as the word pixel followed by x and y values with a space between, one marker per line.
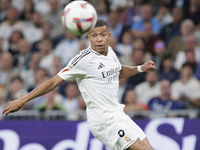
pixel 79 17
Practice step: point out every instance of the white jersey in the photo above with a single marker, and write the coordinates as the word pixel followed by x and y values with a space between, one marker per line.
pixel 98 80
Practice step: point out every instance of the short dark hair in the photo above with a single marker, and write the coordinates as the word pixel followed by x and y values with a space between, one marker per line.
pixel 187 64
pixel 101 23
pixel 17 77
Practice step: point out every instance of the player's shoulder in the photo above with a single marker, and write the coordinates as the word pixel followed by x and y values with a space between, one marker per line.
pixel 83 56
pixel 113 52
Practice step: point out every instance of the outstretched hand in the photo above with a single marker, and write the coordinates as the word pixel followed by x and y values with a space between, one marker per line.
pixel 13 106
pixel 148 66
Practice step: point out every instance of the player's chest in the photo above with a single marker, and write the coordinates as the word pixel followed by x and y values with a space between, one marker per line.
pixel 106 70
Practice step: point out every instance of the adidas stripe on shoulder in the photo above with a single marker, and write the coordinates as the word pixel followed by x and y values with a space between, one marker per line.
pixel 82 54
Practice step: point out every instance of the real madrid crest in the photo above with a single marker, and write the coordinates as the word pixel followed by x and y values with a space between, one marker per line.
pixel 128 139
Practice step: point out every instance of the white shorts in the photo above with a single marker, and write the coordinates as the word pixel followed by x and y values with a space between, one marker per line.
pixel 119 134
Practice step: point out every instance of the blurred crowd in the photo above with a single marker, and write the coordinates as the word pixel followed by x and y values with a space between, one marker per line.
pixel 34 46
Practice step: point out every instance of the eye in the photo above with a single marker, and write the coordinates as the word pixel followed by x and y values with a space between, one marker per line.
pixel 103 34
pixel 93 35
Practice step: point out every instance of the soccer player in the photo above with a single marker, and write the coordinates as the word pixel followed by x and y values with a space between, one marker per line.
pixel 97 71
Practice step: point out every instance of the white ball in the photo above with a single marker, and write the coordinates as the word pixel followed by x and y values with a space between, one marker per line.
pixel 79 17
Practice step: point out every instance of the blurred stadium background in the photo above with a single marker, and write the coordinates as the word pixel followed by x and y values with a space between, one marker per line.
pixel 34 46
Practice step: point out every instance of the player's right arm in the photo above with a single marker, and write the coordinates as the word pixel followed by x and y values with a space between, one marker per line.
pixel 40 90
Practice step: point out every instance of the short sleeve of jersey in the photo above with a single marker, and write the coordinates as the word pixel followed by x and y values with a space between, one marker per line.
pixel 76 68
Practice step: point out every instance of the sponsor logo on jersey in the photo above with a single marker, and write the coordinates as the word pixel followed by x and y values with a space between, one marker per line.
pixel 110 72
pixel 128 139
pixel 101 65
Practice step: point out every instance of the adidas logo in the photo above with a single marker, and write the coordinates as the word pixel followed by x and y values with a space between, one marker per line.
pixel 101 65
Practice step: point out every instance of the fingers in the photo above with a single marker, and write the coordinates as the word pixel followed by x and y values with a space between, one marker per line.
pixel 8 112
pixel 6 109
pixel 151 64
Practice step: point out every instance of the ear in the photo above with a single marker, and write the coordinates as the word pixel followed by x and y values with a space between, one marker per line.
pixel 109 35
pixel 88 35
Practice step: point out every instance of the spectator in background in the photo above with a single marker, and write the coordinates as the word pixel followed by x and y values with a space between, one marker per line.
pixel 81 103
pixel 19 5
pixel 137 59
pixel 4 6
pixel 22 58
pixel 1 46
pixel 29 72
pixel 198 71
pixel 2 101
pixel 172 29
pixel 46 34
pixel 187 88
pixel 163 15
pixel 80 112
pixel 28 10
pixel 46 30
pixel 138 26
pixel 6 67
pixel 33 32
pixel 57 66
pixel 125 48
pixel 151 86
pixel 11 23
pixel 131 13
pixel 177 43
pixel 54 16
pixel 70 103
pixel 160 51
pixel 190 57
pixel 40 77
pixel 180 3
pixel 113 45
pixel 117 4
pixel 21 93
pixel 15 84
pixel 50 103
pixel 115 26
pixel 82 44
pixel 47 55
pixel 123 87
pixel 138 45
pixel 67 48
pixel 163 103
pixel 193 11
pixel 197 33
pixel 42 6
pixel 103 10
pixel 131 102
pixel 137 56
pixel 151 39
pixel 13 42
pixel 167 71
pixel 189 45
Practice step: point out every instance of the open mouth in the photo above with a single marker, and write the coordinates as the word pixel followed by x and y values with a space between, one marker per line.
pixel 99 46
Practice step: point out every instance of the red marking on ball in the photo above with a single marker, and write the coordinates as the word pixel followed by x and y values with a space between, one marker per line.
pixel 83 6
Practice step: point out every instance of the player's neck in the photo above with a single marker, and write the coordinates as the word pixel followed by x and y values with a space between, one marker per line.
pixel 101 51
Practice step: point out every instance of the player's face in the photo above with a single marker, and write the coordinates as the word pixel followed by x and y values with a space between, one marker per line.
pixel 99 38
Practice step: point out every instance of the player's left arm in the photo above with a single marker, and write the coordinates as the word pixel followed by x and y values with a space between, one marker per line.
pixel 128 71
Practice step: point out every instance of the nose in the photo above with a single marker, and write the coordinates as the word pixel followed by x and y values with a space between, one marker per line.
pixel 99 38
